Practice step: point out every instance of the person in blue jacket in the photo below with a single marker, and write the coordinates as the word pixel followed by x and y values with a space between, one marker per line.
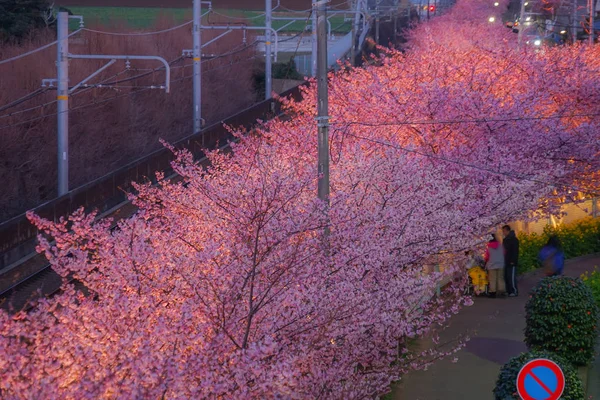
pixel 552 257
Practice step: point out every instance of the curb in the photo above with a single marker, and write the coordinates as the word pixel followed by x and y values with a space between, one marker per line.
pixel 592 388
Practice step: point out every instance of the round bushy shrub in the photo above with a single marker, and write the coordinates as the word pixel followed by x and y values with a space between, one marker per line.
pixel 561 317
pixel 506 385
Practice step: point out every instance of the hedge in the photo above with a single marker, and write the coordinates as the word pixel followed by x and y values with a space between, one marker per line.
pixel 578 239
pixel 593 282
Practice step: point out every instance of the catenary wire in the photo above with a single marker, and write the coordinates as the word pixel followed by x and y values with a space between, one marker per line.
pixel 94 103
pixel 138 33
pixel 35 50
pixel 472 166
pixel 23 99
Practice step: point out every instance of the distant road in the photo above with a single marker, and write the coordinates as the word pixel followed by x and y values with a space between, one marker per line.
pixel 233 4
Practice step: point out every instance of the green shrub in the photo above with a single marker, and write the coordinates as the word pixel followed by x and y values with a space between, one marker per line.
pixel 593 282
pixel 577 238
pixel 561 317
pixel 529 248
pixel 506 385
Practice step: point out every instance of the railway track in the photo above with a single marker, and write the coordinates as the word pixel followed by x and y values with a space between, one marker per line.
pixel 45 282
pixel 30 276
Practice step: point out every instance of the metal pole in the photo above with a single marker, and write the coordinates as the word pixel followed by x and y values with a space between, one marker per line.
pixel 521 23
pixel 197 83
pixel 268 55
pixel 358 6
pixel 575 20
pixel 323 102
pixel 427 10
pixel 314 40
pixel 377 25
pixel 352 49
pixel 62 74
pixel 396 25
pixel 592 21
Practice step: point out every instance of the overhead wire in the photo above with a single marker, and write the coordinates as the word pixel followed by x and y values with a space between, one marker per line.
pixel 110 84
pixel 239 18
pixel 23 99
pixel 287 73
pixel 471 166
pixel 95 103
pixel 137 33
pixel 467 121
pixel 36 50
pixel 14 113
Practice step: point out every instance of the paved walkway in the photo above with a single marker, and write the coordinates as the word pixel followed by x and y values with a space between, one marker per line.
pixel 496 330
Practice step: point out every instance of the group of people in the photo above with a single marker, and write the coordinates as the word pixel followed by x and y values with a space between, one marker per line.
pixel 497 270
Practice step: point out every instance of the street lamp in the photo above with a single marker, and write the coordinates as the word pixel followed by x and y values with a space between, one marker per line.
pixel 492 19
pixel 496 4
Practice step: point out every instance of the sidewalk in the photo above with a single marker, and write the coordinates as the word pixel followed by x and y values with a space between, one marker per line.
pixel 496 330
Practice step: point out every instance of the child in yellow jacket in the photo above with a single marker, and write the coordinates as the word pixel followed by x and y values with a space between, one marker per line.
pixel 477 274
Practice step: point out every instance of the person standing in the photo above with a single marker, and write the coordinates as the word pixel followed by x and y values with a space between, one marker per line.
pixel 494 263
pixel 552 257
pixel 511 260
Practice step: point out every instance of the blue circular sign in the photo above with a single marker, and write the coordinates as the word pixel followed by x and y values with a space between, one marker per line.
pixel 540 379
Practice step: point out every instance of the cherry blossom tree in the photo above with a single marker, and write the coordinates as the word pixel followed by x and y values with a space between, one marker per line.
pixel 224 284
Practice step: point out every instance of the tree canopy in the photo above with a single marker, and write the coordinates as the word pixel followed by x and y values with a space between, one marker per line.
pixel 19 17
pixel 224 285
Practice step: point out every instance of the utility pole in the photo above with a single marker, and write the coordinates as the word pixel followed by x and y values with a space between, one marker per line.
pixel 592 12
pixel 314 39
pixel 427 10
pixel 62 75
pixel 575 20
pixel 322 101
pixel 377 25
pixel 268 61
pixel 197 74
pixel 521 23
pixel 396 24
pixel 357 7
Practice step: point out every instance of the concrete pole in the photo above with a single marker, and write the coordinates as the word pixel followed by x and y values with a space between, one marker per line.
pixel 268 55
pixel 357 7
pixel 396 24
pixel 592 12
pixel 575 20
pixel 197 73
pixel 323 102
pixel 62 74
pixel 377 25
pixel 521 23
pixel 314 40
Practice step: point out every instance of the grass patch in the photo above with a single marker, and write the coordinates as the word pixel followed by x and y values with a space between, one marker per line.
pixel 147 17
pixel 134 17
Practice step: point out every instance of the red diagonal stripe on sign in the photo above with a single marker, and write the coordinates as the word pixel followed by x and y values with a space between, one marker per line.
pixel 539 381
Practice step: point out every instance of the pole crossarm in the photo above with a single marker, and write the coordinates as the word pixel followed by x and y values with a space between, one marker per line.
pixel 241 28
pixel 108 64
pixel 128 57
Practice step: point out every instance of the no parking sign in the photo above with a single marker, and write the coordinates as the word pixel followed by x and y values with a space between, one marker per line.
pixel 540 379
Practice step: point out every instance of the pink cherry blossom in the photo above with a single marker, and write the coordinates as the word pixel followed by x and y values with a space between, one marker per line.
pixel 223 285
